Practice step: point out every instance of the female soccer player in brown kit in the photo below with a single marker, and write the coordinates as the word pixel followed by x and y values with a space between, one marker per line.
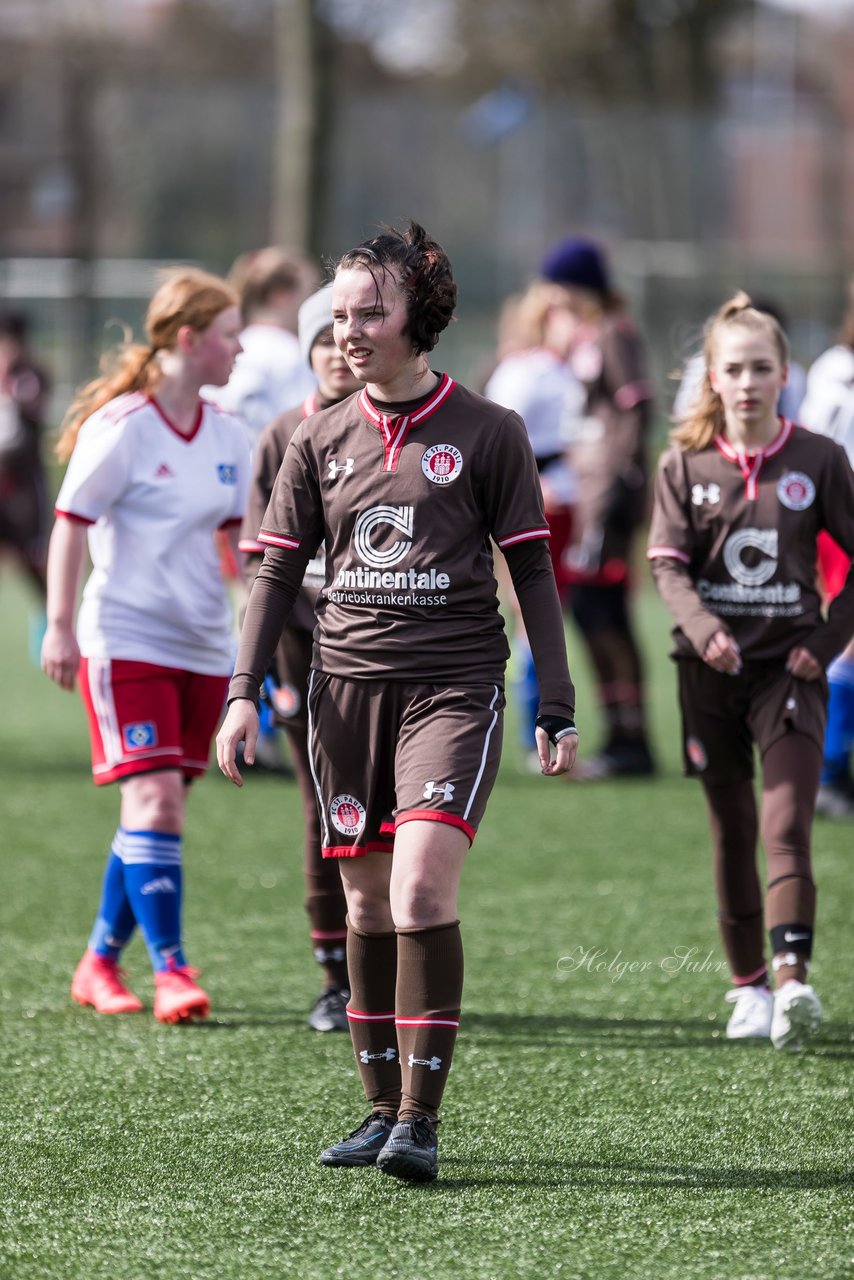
pixel 741 497
pixel 406 482
pixel 324 893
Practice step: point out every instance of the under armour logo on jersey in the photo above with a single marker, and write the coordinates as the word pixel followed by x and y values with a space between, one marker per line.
pixel 335 467
pixel 388 1054
pixel 163 471
pixel 433 1063
pixel 701 493
pixel 446 789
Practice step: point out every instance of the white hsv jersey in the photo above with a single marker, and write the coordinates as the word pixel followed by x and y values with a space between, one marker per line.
pixel 829 404
pixel 153 499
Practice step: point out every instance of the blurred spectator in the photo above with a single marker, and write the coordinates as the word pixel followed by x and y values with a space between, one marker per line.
pixel 791 397
pixel 828 408
pixel 533 378
pixel 23 501
pixel 608 445
pixel 270 375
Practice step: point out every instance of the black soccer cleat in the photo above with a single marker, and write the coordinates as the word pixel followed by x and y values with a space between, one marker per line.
pixel 330 1011
pixel 412 1151
pixel 362 1146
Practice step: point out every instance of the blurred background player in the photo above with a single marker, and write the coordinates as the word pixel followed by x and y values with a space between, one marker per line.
pixel 741 495
pixel 153 473
pixel 534 379
pixel 829 409
pixel 325 904
pixel 406 483
pixel 608 454
pixel 23 491
pixel 269 377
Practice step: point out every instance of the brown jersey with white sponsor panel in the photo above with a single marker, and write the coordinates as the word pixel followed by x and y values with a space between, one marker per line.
pixel 272 447
pixel 733 543
pixel 407 505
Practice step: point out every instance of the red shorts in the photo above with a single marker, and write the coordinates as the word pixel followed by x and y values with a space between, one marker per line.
pixel 143 717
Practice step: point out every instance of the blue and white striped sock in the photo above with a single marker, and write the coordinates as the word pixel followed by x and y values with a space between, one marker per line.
pixel 154 882
pixel 116 921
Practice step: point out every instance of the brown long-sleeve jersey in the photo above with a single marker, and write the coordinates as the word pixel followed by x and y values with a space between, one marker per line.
pixel 407 504
pixel 733 543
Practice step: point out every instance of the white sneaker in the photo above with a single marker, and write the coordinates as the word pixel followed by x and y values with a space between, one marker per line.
pixel 797 1015
pixel 751 1017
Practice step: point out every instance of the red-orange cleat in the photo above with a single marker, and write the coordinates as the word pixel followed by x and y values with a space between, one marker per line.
pixel 177 998
pixel 98 981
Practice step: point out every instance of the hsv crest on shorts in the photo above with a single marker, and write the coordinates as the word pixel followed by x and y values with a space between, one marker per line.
pixel 796 491
pixel 442 463
pixel 347 815
pixel 137 736
pixel 697 753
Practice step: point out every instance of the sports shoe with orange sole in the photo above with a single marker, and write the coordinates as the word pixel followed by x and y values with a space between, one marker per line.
pixel 98 982
pixel 177 997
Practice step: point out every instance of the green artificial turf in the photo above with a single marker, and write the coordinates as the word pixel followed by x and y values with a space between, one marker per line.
pixel 597 1123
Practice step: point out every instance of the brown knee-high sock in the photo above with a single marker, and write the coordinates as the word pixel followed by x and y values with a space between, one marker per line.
pixel 372 967
pixel 429 993
pixel 325 902
pixel 733 821
pixel 790 774
pixel 327 914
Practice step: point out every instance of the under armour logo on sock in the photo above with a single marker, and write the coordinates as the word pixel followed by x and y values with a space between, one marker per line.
pixel 433 1063
pixel 324 954
pixel 161 885
pixel 388 1054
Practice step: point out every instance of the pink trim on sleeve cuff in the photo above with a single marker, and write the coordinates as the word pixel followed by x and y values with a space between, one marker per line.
pixel 72 516
pixel 667 553
pixel 526 535
pixel 633 394
pixel 276 540
pixel 250 545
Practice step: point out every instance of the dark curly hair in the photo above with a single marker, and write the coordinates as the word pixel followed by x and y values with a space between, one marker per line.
pixel 422 267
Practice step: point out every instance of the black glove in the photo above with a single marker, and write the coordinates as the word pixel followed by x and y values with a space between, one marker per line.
pixel 556 727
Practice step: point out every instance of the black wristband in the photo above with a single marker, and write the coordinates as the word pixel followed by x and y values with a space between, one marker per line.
pixel 556 727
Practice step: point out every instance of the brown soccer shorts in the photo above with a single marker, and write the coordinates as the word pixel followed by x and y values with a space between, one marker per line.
pixel 723 716
pixel 385 752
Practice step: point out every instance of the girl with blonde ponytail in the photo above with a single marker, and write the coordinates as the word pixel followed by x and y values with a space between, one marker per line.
pixel 741 497
pixel 704 417
pixel 153 472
